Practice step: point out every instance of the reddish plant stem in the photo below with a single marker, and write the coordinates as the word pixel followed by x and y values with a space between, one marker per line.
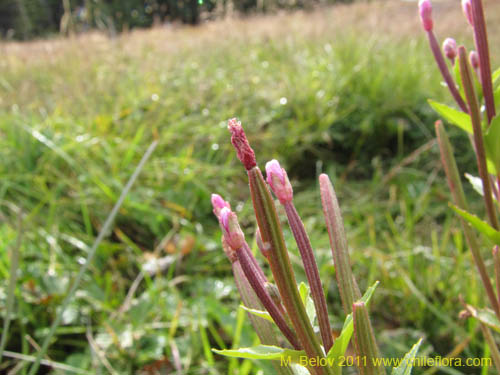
pixel 455 185
pixel 443 68
pixel 259 287
pixel 475 116
pixel 312 273
pixel 481 41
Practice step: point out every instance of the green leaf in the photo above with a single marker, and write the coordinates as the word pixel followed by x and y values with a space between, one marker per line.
pixel 260 313
pixel 340 345
pixel 492 143
pixel 453 116
pixel 486 316
pixel 305 295
pixel 266 352
pixel 406 364
pixel 495 76
pixel 480 225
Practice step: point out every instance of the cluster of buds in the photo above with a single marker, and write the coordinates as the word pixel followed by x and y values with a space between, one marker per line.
pixel 480 60
pixel 283 301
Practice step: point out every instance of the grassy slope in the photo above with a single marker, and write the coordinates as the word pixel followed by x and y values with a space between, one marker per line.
pixel 325 91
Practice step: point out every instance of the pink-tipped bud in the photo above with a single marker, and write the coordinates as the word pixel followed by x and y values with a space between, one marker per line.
pixel 450 49
pixel 474 59
pixel 231 228
pixel 218 204
pixel 278 180
pixel 425 10
pixel 467 8
pixel 240 143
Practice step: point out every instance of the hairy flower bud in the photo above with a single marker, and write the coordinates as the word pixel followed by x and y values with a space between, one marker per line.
pixel 467 8
pixel 425 10
pixel 240 143
pixel 450 49
pixel 231 228
pixel 218 203
pixel 278 181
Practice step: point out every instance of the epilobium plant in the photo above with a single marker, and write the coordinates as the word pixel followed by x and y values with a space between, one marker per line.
pixel 469 91
pixel 297 346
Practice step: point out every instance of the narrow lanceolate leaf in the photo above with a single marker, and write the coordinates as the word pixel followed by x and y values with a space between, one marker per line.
pixel 339 347
pixel 349 291
pixel 366 346
pixel 475 116
pixel 266 352
pixel 260 313
pixel 271 233
pixel 483 227
pixel 485 316
pixel 455 185
pixel 453 116
pixel 406 364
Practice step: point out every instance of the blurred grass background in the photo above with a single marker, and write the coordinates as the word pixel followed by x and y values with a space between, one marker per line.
pixel 340 90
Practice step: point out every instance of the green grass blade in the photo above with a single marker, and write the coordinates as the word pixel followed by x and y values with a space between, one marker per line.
pixel 104 231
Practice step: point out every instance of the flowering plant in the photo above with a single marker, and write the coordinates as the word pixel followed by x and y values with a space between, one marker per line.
pixel 295 309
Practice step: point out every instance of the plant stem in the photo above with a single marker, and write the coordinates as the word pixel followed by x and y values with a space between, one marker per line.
pixel 455 185
pixel 312 273
pixel 443 68
pixel 349 291
pixel 481 41
pixel 475 116
pixel 495 354
pixel 496 262
pixel 263 328
pixel 271 233
pixel 259 288
pixel 366 346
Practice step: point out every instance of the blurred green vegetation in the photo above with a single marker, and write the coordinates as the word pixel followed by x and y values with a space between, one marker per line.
pixel 25 19
pixel 346 98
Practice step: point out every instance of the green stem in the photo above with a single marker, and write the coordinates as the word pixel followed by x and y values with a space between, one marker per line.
pixel 475 116
pixel 271 233
pixel 455 185
pixel 349 291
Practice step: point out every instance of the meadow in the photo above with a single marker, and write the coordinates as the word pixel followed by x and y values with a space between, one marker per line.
pixel 342 90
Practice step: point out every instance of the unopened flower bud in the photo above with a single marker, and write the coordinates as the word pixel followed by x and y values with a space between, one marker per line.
pixel 231 228
pixel 450 49
pixel 240 143
pixel 278 180
pixel 425 10
pixel 218 203
pixel 467 8
pixel 474 59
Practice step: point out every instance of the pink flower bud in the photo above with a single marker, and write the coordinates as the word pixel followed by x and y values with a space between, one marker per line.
pixel 218 204
pixel 425 10
pixel 278 180
pixel 474 59
pixel 231 228
pixel 240 143
pixel 450 48
pixel 467 8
